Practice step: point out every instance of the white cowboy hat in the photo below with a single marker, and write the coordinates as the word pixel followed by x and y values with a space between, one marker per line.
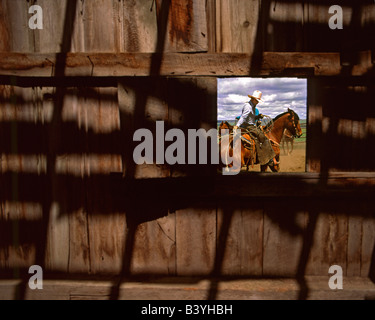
pixel 256 95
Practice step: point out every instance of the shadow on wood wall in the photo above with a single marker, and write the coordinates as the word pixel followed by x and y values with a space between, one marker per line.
pixel 85 222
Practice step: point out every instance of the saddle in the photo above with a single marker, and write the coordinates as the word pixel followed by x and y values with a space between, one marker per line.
pixel 250 144
pixel 260 150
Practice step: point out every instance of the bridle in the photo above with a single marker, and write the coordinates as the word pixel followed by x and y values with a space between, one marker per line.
pixel 292 118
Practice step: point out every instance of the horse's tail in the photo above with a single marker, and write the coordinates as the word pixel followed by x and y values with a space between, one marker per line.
pixel 224 147
pixel 228 150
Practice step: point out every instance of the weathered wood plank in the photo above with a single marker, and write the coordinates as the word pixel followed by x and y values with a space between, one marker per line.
pixel 354 245
pixel 64 198
pixel 330 239
pixel 236 25
pixel 5 38
pixel 211 25
pixel 242 248
pixel 315 125
pixel 100 25
pixel 154 250
pixel 252 242
pixel 106 235
pixel 284 19
pixel 185 288
pixel 180 64
pixel 207 88
pixel 139 30
pixel 141 104
pixel 350 215
pixel 195 240
pixel 4 263
pixel 19 216
pixel 90 112
pixel 68 196
pixel 228 242
pixel 368 244
pixel 344 128
pixel 53 229
pixel 19 36
pixel 79 258
pixel 284 227
pixel 186 29
pixel 97 114
pixel 94 27
pixel 50 38
pixel 187 113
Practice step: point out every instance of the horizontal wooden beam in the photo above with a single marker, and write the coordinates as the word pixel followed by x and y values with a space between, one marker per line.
pixel 252 184
pixel 186 288
pixel 183 64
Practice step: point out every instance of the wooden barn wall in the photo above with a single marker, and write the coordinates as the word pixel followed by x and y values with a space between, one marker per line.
pixel 94 222
pixel 72 199
pixel 187 26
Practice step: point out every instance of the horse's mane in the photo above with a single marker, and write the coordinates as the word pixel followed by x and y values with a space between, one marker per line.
pixel 227 123
pixel 280 115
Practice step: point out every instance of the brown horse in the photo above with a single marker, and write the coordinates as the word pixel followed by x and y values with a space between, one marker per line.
pixel 288 120
pixel 287 140
pixel 274 132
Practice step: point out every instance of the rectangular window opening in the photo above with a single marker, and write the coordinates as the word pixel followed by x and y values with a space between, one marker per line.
pixel 278 95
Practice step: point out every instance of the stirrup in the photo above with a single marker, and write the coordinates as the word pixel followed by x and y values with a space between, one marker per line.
pixel 272 162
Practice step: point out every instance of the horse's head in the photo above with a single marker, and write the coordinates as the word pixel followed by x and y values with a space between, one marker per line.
pixel 294 126
pixel 225 125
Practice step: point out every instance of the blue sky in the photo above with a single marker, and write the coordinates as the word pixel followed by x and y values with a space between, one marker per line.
pixel 279 94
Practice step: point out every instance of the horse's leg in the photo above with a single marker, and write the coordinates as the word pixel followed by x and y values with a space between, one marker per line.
pixel 287 146
pixel 276 160
pixel 291 143
pixel 263 167
pixel 247 158
pixel 276 166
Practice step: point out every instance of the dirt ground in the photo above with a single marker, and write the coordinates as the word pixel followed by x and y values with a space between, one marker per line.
pixel 293 162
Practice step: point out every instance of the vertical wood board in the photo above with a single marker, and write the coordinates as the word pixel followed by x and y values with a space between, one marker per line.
pixel 195 241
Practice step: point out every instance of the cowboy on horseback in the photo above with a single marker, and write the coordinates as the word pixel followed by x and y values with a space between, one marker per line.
pixel 249 121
